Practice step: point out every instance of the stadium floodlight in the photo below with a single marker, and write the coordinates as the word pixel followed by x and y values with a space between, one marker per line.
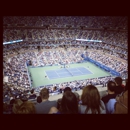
pixel 5 43
pixel 88 40
pixel 12 42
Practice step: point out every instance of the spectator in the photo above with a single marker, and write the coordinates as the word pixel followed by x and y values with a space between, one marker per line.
pixel 45 105
pixel 67 89
pixel 111 86
pixel 121 106
pixel 110 106
pixel 119 88
pixel 32 96
pixel 16 105
pixel 126 86
pixel 53 110
pixel 11 105
pixel 39 100
pixel 91 103
pixel 26 108
pixel 69 104
pixel 24 98
pixel 59 100
pixel 78 97
pixel 6 108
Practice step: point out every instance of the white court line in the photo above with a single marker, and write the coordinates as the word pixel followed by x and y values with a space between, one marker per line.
pixel 79 70
pixel 88 69
pixel 56 73
pixel 61 78
pixel 63 73
pixel 46 74
pixel 69 72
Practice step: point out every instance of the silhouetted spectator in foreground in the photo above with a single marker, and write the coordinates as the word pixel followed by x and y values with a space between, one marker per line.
pixel 91 103
pixel 119 88
pixel 26 108
pixel 121 106
pixel 59 100
pixel 39 100
pixel 16 105
pixel 32 96
pixel 111 86
pixel 69 104
pixel 118 105
pixel 45 105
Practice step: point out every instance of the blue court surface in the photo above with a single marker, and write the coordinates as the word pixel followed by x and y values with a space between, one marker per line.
pixel 67 72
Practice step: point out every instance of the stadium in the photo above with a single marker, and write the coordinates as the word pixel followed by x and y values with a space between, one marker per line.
pixel 57 52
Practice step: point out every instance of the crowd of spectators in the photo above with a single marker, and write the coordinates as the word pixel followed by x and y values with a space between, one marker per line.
pixel 75 85
pixel 15 67
pixel 90 101
pixel 113 43
pixel 17 92
pixel 61 21
pixel 13 91
pixel 58 57
pixel 16 71
pixel 110 62
pixel 116 101
pixel 110 37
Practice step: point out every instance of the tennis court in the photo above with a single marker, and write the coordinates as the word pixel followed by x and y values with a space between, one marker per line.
pixel 67 72
pixel 55 74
